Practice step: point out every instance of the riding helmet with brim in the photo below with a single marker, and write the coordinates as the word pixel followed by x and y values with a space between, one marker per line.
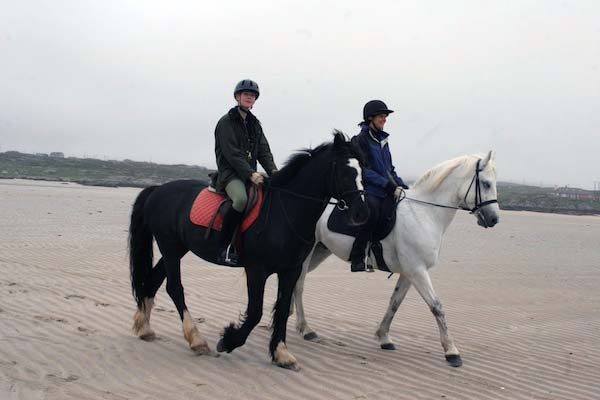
pixel 246 85
pixel 375 107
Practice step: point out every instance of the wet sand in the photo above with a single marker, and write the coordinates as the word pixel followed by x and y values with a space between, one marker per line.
pixel 521 300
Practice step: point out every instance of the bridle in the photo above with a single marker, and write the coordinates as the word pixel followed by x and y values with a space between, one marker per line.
pixel 478 198
pixel 478 203
pixel 340 203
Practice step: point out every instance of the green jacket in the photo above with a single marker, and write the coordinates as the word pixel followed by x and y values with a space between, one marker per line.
pixel 238 146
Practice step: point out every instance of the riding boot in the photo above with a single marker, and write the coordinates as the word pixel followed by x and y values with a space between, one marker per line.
pixel 226 250
pixel 377 250
pixel 357 254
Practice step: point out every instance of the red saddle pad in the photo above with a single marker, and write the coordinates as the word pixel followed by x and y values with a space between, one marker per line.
pixel 207 202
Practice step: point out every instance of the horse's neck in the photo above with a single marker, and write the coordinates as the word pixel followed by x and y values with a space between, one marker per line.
pixel 311 183
pixel 445 194
pixel 308 182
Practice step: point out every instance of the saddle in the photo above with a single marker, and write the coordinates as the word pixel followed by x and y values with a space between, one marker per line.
pixel 209 207
pixel 338 223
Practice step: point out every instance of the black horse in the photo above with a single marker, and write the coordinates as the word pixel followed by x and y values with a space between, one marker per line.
pixel 278 242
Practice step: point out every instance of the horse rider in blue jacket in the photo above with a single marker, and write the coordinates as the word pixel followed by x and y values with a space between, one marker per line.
pixel 380 180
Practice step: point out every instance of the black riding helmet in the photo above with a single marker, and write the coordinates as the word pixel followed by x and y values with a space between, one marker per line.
pixel 246 85
pixel 373 108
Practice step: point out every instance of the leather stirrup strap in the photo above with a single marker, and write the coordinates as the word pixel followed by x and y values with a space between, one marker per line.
pixel 214 216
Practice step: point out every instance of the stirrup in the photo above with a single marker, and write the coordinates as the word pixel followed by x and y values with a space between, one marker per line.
pixel 229 256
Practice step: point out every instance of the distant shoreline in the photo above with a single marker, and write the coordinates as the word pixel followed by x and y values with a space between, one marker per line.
pixel 139 185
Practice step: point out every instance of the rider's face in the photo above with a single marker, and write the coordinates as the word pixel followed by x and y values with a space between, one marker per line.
pixel 378 121
pixel 246 99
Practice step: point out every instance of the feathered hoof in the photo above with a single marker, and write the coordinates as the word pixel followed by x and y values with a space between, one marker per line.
pixel 203 350
pixel 388 346
pixel 454 360
pixel 293 366
pixel 312 336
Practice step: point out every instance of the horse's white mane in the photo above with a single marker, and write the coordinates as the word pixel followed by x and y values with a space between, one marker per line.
pixel 434 177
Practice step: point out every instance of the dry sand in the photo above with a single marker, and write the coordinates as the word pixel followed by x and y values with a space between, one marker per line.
pixel 521 299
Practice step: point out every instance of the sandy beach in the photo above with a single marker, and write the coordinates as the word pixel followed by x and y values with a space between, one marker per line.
pixel 522 301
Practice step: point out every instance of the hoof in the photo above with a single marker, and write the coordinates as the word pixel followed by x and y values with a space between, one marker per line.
pixel 203 350
pixel 370 268
pixel 148 336
pixel 454 360
pixel 312 336
pixel 291 366
pixel 388 346
pixel 220 346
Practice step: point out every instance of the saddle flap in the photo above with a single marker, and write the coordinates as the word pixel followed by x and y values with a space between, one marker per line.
pixel 338 222
pixel 209 207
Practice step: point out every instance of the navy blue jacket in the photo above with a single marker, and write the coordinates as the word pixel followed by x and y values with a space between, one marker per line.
pixel 379 176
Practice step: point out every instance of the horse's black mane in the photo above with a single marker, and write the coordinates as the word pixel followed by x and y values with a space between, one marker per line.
pixel 296 162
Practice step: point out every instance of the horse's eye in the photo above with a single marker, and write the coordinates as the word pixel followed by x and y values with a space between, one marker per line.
pixel 486 185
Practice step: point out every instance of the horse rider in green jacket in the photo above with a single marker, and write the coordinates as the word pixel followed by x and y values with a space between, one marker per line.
pixel 239 144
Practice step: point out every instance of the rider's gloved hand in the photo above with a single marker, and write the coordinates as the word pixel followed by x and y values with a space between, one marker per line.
pixel 398 192
pixel 257 178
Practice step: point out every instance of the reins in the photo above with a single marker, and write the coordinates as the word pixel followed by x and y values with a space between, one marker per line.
pixel 340 203
pixel 478 202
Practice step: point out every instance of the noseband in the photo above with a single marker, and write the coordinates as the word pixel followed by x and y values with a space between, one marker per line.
pixel 478 202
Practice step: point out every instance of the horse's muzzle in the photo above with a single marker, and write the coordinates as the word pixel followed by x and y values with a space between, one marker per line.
pixel 486 219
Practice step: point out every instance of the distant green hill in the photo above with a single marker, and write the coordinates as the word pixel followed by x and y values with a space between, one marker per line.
pixel 91 171
pixel 533 198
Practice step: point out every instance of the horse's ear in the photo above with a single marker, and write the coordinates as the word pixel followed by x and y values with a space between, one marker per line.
pixel 338 138
pixel 489 157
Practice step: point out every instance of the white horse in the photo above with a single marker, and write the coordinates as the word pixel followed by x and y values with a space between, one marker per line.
pixel 413 246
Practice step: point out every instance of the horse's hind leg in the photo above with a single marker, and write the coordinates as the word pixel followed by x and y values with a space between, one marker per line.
pixel 235 335
pixel 172 263
pixel 279 352
pixel 318 255
pixel 383 331
pixel 422 282
pixel 141 319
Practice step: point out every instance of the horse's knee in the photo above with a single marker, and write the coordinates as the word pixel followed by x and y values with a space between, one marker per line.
pixel 252 319
pixel 436 309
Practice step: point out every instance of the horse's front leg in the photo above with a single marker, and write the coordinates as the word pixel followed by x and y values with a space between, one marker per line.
pixel 235 335
pixel 277 347
pixel 383 331
pixel 422 282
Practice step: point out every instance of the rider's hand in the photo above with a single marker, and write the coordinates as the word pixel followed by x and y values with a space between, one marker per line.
pixel 398 192
pixel 257 178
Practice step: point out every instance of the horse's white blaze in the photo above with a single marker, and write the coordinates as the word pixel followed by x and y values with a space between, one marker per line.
pixel 353 163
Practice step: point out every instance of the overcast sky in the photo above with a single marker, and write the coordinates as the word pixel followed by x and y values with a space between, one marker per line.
pixel 148 80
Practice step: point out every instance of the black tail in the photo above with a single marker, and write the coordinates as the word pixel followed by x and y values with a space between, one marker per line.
pixel 140 246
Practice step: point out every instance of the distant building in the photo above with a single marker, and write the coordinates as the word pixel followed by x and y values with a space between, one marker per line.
pixel 576 193
pixel 57 154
